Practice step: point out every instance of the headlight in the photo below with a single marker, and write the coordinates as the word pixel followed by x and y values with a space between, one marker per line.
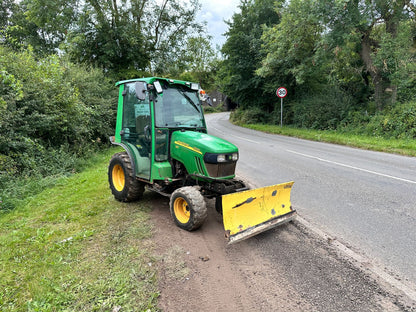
pixel 220 158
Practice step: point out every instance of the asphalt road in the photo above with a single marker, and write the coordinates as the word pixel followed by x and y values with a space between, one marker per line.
pixel 367 200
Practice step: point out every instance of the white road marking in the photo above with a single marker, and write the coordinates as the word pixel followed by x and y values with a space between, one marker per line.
pixel 352 167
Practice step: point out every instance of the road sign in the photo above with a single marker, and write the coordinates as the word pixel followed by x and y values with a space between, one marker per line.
pixel 281 92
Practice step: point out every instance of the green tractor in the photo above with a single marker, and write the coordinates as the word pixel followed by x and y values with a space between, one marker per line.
pixel 161 127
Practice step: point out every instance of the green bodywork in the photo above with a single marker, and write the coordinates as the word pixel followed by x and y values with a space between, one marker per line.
pixel 189 147
pixel 168 125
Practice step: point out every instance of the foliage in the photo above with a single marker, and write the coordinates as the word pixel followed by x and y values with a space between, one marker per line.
pixel 136 36
pixel 124 38
pixel 397 61
pixel 290 48
pixel 242 54
pixel 377 27
pixel 74 248
pixel 51 111
pixel 6 7
pixel 323 111
pixel 199 62
pixel 170 33
pixel 398 122
pixel 106 37
pixel 213 109
pixel 252 115
pixel 334 57
pixel 41 24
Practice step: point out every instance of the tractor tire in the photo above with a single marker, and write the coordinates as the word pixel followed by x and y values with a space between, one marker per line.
pixel 123 183
pixel 188 208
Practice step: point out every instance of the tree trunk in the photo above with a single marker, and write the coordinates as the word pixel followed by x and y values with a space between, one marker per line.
pixel 374 72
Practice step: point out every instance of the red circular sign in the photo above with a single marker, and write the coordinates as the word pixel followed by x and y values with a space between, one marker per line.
pixel 281 92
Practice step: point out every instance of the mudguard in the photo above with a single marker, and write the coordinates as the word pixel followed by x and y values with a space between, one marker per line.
pixel 251 212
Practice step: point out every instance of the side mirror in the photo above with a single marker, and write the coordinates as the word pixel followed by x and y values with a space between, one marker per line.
pixel 204 97
pixel 141 89
pixel 208 101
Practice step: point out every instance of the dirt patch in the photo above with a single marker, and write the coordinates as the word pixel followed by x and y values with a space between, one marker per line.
pixel 220 278
pixel 285 269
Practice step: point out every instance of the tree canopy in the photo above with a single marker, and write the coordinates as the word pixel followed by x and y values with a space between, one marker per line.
pixel 335 57
pixel 124 38
pixel 243 54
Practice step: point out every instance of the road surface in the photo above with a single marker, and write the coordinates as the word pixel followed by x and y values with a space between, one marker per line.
pixel 364 199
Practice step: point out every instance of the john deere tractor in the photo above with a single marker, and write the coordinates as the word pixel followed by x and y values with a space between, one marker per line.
pixel 161 127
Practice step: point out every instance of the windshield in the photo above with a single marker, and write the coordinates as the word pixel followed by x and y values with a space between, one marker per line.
pixel 178 107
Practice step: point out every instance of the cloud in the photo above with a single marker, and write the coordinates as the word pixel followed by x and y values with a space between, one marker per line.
pixel 214 12
pixel 220 7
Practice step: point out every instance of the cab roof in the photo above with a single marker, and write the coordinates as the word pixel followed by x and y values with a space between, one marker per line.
pixel 153 79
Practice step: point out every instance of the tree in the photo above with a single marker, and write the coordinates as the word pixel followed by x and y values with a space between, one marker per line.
pixel 138 35
pixel 199 62
pixel 6 7
pixel 122 37
pixel 243 54
pixel 42 24
pixel 375 25
pixel 109 36
pixel 290 48
pixel 169 26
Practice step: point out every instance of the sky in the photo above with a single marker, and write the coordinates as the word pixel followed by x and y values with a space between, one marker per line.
pixel 214 12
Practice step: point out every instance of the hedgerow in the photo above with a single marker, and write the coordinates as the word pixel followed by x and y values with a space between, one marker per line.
pixel 51 113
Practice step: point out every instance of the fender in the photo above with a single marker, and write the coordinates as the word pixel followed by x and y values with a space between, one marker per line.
pixel 124 146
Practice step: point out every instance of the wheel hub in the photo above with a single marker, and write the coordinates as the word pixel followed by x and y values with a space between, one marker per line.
pixel 118 177
pixel 182 210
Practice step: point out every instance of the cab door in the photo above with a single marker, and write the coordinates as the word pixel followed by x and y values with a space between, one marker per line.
pixel 136 130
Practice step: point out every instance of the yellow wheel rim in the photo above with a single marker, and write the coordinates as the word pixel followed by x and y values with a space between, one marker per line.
pixel 181 209
pixel 118 177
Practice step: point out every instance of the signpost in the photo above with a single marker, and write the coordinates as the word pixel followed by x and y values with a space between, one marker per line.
pixel 281 93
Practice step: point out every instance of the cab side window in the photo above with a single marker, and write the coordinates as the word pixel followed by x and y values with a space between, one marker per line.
pixel 136 117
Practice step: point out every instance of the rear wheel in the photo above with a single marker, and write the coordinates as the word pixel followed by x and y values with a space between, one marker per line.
pixel 188 208
pixel 123 183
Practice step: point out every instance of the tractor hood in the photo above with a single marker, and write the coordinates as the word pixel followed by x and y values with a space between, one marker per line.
pixel 200 143
pixel 203 154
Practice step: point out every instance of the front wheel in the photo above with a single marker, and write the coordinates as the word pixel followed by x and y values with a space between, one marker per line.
pixel 188 208
pixel 123 183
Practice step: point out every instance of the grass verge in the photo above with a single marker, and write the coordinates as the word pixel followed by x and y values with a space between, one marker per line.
pixel 72 247
pixel 397 146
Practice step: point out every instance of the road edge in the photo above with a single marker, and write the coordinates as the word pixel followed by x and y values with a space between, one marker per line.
pixel 358 260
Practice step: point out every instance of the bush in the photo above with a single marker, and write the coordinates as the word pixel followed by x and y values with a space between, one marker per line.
pixel 50 103
pixel 322 111
pixel 252 115
pixel 398 122
pixel 51 112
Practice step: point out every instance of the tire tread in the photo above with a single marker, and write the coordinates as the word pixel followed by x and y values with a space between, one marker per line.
pixel 133 189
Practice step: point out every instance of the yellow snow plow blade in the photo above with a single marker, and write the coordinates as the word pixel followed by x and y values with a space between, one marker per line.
pixel 248 213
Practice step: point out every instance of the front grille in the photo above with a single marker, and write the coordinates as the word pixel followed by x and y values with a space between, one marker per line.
pixel 199 165
pixel 221 169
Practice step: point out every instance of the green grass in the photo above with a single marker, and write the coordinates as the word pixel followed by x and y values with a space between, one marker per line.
pixel 397 146
pixel 72 247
